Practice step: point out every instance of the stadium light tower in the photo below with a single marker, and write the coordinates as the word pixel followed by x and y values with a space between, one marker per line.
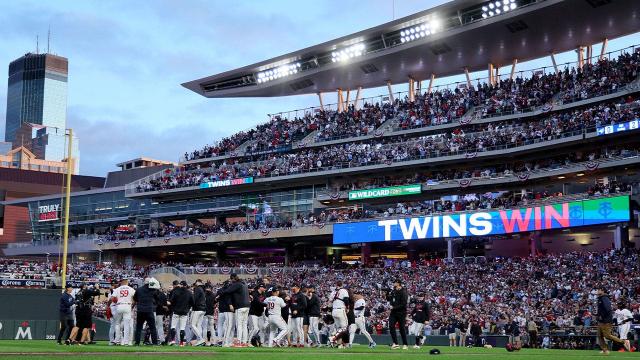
pixel 348 53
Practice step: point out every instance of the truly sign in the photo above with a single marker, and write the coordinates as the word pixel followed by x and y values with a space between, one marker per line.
pixel 48 212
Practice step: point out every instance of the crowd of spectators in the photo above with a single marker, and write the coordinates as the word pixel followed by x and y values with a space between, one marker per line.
pixel 438 107
pixel 476 139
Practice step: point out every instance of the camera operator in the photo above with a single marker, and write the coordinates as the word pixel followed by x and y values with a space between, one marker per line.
pixel 84 312
pixel 398 299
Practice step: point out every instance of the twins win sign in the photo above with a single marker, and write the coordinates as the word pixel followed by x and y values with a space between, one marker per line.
pixel 481 223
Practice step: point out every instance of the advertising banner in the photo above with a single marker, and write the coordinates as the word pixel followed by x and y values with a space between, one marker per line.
pixel 22 283
pixel 229 182
pixel 612 129
pixel 385 192
pixel 483 223
pixel 49 212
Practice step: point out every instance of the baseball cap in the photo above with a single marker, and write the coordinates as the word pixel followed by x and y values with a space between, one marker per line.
pixel 183 283
pixel 68 286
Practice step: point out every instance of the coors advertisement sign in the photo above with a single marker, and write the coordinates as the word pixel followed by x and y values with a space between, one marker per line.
pixel 49 212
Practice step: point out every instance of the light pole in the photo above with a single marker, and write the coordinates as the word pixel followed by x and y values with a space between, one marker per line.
pixel 66 210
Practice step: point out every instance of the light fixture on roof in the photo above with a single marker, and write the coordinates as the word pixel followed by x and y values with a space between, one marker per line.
pixel 348 53
pixel 498 7
pixel 419 31
pixel 277 72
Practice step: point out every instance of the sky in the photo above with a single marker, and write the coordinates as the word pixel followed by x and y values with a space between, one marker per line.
pixel 127 60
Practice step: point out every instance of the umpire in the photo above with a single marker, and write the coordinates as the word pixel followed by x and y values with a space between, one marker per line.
pixel 146 299
pixel 398 299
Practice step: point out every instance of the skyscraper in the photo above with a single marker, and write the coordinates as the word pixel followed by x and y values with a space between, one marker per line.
pixel 37 93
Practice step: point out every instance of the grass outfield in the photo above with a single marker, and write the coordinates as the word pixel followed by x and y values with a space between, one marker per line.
pixel 35 349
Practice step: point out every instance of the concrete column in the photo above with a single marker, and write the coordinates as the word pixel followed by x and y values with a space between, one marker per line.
pixel 491 75
pixel 589 54
pixel 466 73
pixel 513 68
pixel 365 253
pixel 340 101
pixel 288 252
pixel 411 90
pixel 449 248
pixel 321 102
pixel 346 102
pixel 412 251
pixel 617 237
pixel 580 52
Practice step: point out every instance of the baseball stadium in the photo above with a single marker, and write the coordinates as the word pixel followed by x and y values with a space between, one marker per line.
pixel 465 184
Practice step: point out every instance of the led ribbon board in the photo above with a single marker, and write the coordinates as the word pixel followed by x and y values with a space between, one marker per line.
pixel 612 129
pixel 385 192
pixel 482 223
pixel 222 183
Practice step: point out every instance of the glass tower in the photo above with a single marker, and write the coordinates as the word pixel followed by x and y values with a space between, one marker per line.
pixel 37 93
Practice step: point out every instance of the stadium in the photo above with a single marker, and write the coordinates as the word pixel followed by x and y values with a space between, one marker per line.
pixel 506 202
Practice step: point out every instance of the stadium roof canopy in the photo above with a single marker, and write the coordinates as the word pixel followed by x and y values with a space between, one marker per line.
pixel 446 39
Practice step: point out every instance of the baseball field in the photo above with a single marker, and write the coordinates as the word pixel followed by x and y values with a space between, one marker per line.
pixel 35 349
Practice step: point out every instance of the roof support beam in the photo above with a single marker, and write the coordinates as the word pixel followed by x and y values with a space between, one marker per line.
pixel 321 102
pixel 580 52
pixel 513 68
pixel 390 92
pixel 340 101
pixel 491 75
pixel 412 90
pixel 357 102
pixel 466 73
pixel 553 61
pixel 433 76
pixel 589 54
pixel 346 103
pixel 604 48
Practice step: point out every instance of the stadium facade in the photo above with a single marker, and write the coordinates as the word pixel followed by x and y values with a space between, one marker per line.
pixel 543 160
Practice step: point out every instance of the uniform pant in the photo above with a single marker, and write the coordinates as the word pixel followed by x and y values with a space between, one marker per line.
pixel 210 322
pixel 297 333
pixel 604 332
pixel 160 327
pixel 112 326
pixel 196 324
pixel 123 324
pixel 361 323
pixel 623 330
pixel 221 320
pixel 398 318
pixel 257 325
pixel 229 318
pixel 178 325
pixel 340 319
pixel 313 328
pixel 242 330
pixel 149 318
pixel 418 331
pixel 463 338
pixel 66 324
pixel 278 326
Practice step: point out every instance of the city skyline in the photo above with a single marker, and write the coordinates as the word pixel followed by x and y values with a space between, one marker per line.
pixel 127 64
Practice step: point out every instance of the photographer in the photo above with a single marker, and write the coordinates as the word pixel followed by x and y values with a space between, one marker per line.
pixel 398 299
pixel 84 313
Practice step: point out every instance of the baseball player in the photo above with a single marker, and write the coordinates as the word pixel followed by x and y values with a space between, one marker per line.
pixel 256 312
pixel 274 305
pixel 313 311
pixel 623 317
pixel 340 301
pixel 420 316
pixel 359 310
pixel 123 298
pixel 199 307
pixel 112 312
pixel 298 308
pixel 181 301
pixel 209 314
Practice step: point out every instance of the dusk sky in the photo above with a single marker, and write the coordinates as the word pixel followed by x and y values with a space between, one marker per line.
pixel 127 60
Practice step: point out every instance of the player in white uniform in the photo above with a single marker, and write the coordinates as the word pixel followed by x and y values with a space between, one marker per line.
pixel 275 304
pixel 123 297
pixel 340 298
pixel 112 308
pixel 623 317
pixel 359 308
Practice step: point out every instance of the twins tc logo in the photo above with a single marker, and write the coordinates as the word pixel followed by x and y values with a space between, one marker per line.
pixel 24 331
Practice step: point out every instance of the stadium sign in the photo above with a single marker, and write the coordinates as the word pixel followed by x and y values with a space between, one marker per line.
pixel 612 129
pixel 385 192
pixel 48 212
pixel 482 223
pixel 223 183
pixel 22 283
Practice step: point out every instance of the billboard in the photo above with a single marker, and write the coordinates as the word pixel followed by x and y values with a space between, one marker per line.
pixel 482 223
pixel 385 192
pixel 49 212
pixel 228 182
